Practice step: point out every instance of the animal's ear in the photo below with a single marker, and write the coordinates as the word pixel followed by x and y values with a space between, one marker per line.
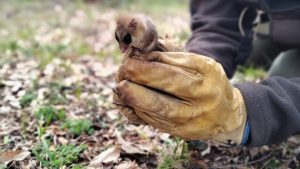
pixel 121 20
pixel 120 17
pixel 117 20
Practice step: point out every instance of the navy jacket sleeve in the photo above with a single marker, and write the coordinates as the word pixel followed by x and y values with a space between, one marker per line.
pixel 215 31
pixel 273 108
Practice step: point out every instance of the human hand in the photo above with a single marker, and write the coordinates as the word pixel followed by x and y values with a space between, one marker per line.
pixel 165 43
pixel 184 94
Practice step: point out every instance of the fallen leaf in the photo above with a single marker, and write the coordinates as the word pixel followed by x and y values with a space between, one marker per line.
pixel 127 146
pixel 113 114
pixel 254 152
pixel 132 150
pixel 62 140
pixel 127 165
pixel 5 109
pixel 206 151
pixel 17 155
pixel 52 148
pixel 297 150
pixel 110 155
pixel 293 140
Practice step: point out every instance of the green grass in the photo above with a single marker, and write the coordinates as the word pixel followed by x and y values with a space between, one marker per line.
pixel 27 99
pixel 6 140
pixel 56 95
pixel 35 30
pixel 77 166
pixel 252 72
pixel 173 161
pixel 78 126
pixel 177 158
pixel 154 6
pixel 48 114
pixel 272 163
pixel 61 156
pixel 28 34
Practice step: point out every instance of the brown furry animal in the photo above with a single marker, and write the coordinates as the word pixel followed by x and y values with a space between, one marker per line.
pixel 136 32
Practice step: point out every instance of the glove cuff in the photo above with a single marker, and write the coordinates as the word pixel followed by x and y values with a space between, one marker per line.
pixel 235 125
pixel 246 133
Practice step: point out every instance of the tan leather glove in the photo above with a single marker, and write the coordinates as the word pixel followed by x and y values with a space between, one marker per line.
pixel 184 94
pixel 168 45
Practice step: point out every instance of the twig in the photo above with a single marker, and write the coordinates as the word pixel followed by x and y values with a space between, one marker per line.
pixel 243 165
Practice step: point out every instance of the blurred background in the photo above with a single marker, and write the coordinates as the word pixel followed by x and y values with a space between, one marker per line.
pixel 48 29
pixel 57 64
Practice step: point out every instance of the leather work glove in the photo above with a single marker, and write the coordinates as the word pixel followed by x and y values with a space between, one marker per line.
pixel 184 94
pixel 168 45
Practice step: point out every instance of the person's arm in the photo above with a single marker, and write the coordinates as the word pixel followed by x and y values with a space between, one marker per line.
pixel 215 31
pixel 273 108
pixel 189 96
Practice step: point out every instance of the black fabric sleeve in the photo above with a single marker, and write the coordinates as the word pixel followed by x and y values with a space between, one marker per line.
pixel 215 31
pixel 273 108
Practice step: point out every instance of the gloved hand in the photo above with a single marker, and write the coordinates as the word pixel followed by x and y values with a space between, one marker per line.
pixel 184 94
pixel 168 45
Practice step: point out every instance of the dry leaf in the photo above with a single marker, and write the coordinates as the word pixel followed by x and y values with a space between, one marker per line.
pixel 5 109
pixel 132 150
pixel 110 155
pixel 127 165
pixel 17 155
pixel 128 147
pixel 206 151
pixel 62 140
pixel 113 114
pixel 254 152
pixel 52 148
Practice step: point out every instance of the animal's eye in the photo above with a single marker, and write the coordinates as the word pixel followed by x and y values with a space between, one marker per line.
pixel 116 36
pixel 127 39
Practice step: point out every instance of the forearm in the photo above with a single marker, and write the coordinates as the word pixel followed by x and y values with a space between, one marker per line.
pixel 273 108
pixel 215 31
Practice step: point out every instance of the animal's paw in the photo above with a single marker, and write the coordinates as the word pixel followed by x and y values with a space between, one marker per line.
pixel 133 52
pixel 136 52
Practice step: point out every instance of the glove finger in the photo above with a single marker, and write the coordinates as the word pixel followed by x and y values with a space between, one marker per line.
pixel 128 112
pixel 119 76
pixel 131 116
pixel 138 117
pixel 191 62
pixel 117 100
pixel 155 103
pixel 169 46
pixel 163 126
pixel 164 77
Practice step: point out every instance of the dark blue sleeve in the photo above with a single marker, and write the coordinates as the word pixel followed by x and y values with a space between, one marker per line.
pixel 215 31
pixel 273 108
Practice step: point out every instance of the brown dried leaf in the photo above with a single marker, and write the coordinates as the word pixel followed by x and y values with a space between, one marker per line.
pixel 294 140
pixel 110 155
pixel 62 140
pixel 128 165
pixel 128 147
pixel 254 152
pixel 206 151
pixel 52 148
pixel 17 155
